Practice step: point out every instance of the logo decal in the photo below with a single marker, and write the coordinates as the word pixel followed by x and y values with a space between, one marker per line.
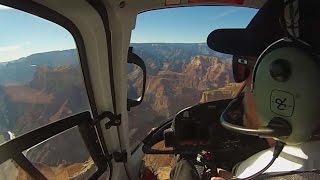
pixel 282 103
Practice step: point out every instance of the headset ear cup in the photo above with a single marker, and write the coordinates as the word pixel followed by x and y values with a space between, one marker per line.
pixel 285 85
pixel 284 42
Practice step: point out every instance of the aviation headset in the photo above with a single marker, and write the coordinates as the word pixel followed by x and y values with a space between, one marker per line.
pixel 286 91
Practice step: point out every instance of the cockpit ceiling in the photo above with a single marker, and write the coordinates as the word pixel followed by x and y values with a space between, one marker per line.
pixel 246 3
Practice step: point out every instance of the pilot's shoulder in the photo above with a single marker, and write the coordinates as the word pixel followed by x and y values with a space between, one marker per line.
pixel 293 158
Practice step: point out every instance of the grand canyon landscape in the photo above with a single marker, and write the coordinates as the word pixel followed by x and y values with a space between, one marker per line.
pixel 45 87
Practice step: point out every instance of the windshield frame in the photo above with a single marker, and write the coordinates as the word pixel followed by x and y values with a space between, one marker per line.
pixel 99 150
pixel 134 146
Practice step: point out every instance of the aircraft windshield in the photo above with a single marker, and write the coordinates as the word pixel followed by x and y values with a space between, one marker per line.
pixel 41 83
pixel 181 69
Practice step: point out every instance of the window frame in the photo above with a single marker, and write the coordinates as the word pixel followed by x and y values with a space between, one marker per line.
pixel 135 146
pixel 13 149
pixel 99 152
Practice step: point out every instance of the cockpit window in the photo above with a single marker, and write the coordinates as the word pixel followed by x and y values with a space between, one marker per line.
pixel 181 69
pixel 41 83
pixel 40 75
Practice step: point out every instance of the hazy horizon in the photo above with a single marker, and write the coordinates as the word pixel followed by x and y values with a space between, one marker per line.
pixel 6 61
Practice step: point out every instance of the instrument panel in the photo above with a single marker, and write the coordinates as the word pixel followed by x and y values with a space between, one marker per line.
pixel 198 128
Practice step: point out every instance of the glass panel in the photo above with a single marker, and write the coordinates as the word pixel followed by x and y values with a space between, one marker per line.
pixel 10 170
pixel 62 157
pixel 181 69
pixel 40 76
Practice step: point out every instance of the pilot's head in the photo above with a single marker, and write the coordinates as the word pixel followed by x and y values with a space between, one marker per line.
pixel 280 67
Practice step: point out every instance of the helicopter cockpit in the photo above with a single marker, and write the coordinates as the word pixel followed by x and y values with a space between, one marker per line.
pixel 105 89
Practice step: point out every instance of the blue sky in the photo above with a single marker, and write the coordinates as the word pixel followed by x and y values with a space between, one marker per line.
pixel 188 24
pixel 22 34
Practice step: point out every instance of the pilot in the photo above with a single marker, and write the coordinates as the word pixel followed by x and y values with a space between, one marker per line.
pixel 280 68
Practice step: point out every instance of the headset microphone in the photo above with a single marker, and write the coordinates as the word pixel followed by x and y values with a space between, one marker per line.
pixel 277 127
